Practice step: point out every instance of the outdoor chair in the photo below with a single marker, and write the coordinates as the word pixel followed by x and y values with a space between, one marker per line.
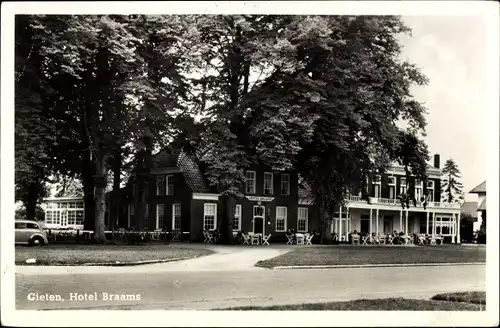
pixel 246 238
pixel 355 239
pixel 366 240
pixel 382 239
pixel 255 239
pixel 265 239
pixel 421 240
pixel 290 241
pixel 308 239
pixel 300 239
pixel 209 238
pixel 390 239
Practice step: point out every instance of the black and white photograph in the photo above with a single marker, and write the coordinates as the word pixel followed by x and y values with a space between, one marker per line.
pixel 316 158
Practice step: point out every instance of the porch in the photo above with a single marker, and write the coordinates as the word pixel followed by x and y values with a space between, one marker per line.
pixel 386 216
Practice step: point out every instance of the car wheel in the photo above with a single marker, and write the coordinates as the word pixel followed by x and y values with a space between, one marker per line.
pixel 37 241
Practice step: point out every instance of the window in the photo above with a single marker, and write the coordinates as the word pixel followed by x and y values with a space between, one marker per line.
pixel 160 185
pixel 20 225
pixel 418 190
pixel 146 216
pixel 302 219
pixel 32 226
pixel 281 213
pixel 237 218
pixel 170 184
pixel 131 214
pixel 258 211
pixel 160 216
pixel 285 184
pixel 210 217
pixel 430 188
pixel 376 186
pixel 176 217
pixel 72 217
pixel 268 183
pixel 79 217
pixel 402 186
pixel 392 187
pixel 250 184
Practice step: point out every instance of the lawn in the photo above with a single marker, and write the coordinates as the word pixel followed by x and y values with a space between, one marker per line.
pixel 354 255
pixel 384 304
pixel 84 254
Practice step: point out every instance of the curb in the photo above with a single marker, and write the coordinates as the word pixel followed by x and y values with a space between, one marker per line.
pixel 108 264
pixel 348 266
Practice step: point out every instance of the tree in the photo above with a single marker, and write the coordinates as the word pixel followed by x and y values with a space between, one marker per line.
pixel 22 215
pixel 69 187
pixel 34 140
pixel 105 75
pixel 451 187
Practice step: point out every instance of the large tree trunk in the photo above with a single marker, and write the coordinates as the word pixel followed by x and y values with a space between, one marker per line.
pixel 100 180
pixel 88 190
pixel 226 226
pixel 114 210
pixel 31 202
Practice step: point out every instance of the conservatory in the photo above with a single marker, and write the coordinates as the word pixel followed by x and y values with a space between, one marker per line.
pixel 64 213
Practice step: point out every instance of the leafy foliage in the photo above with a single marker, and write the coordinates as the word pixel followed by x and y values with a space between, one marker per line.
pixel 450 184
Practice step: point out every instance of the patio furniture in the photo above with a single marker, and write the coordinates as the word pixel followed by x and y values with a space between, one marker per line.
pixel 366 240
pixel 255 239
pixel 209 238
pixel 176 235
pixel 290 241
pixel 374 239
pixel 308 239
pixel 265 239
pixel 300 238
pixel 246 238
pixel 390 239
pixel 421 240
pixel 382 239
pixel 356 239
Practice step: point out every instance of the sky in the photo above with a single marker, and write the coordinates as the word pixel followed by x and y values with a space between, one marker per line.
pixel 450 51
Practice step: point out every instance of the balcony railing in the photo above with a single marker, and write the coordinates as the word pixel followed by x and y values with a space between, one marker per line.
pixel 397 202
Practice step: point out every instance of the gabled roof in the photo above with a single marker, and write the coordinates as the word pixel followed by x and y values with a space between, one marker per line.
pixel 481 188
pixel 188 166
pixel 482 207
pixel 469 208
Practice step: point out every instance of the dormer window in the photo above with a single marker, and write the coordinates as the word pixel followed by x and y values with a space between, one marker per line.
pixel 268 183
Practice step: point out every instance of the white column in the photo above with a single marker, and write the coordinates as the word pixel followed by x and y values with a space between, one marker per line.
pixel 427 226
pixel 376 222
pixel 371 228
pixel 452 228
pixel 340 224
pixel 433 224
pixel 406 224
pixel 347 224
pixel 459 241
pixel 400 221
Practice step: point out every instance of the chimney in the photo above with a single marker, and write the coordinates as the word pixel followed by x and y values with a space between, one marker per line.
pixel 436 161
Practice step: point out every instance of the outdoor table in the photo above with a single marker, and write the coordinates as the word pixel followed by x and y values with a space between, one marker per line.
pixel 300 238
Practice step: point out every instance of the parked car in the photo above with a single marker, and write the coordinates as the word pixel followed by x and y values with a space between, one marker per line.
pixel 30 232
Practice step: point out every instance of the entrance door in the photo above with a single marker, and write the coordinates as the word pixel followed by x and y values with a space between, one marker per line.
pixel 258 219
pixel 64 218
pixel 388 220
pixel 365 225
